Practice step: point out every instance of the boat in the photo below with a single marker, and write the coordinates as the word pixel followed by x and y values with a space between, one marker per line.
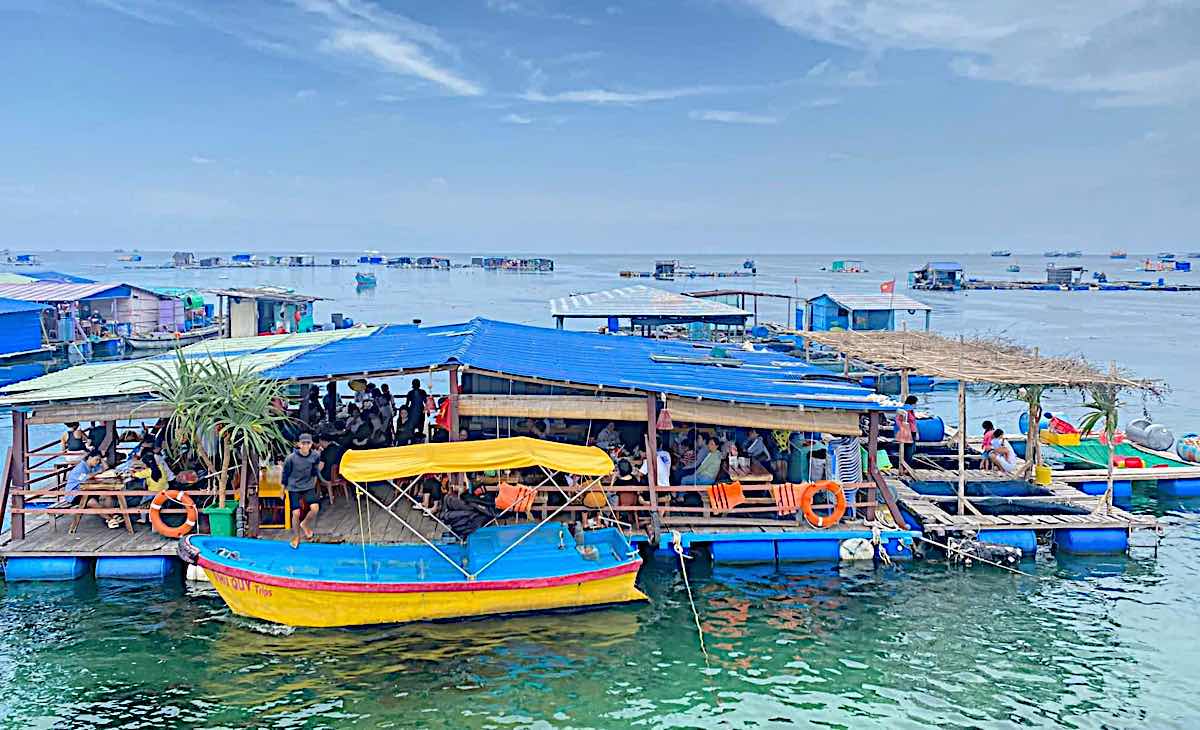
pixel 170 340
pixel 750 264
pixel 1001 253
pixel 365 279
pixel 1074 254
pixel 1013 268
pixel 1118 253
pixel 1054 254
pixel 1194 255
pixel 1166 256
pixel 848 266
pixel 497 569
pixel 129 258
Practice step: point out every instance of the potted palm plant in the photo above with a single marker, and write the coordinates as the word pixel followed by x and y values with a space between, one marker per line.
pixel 222 410
pixel 1103 409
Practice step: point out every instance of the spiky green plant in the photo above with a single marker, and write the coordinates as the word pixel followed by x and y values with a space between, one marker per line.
pixel 220 408
pixel 1103 410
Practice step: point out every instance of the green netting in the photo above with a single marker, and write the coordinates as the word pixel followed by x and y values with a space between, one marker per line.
pixel 1094 453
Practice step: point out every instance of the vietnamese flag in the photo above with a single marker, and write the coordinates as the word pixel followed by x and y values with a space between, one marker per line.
pixel 888 287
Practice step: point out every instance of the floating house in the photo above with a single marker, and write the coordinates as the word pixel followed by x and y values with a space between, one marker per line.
pixel 21 329
pixel 183 259
pixel 848 266
pixel 301 260
pixel 665 269
pixel 646 308
pixel 938 276
pixel 265 310
pixel 1064 275
pixel 433 262
pixel 211 262
pixel 242 258
pixel 400 261
pixel 97 312
pixel 24 259
pixel 858 312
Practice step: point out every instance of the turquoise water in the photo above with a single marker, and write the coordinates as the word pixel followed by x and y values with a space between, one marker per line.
pixel 1084 643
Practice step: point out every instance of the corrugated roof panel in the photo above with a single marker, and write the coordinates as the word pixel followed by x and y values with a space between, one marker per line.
pixel 396 347
pixel 639 301
pixel 50 291
pixel 12 306
pixel 884 302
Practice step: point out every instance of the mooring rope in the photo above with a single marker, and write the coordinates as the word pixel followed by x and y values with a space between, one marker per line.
pixel 677 545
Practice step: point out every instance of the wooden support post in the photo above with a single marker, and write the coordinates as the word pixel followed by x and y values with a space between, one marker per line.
pixel 962 446
pixel 453 407
pixel 652 449
pixel 903 385
pixel 250 474
pixel 846 366
pixel 20 475
pixel 872 461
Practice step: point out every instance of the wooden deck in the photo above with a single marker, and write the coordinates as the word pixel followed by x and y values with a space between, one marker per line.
pixel 938 516
pixel 338 523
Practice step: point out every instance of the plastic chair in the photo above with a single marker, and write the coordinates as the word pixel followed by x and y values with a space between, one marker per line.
pixel 787 498
pixel 724 497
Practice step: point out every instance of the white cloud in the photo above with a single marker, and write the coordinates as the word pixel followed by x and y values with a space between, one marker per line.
pixel 605 96
pixel 822 102
pixel 305 94
pixel 390 98
pixel 731 117
pixel 819 68
pixel 399 56
pixel 534 9
pixel 437 185
pixel 516 119
pixel 201 160
pixel 1124 52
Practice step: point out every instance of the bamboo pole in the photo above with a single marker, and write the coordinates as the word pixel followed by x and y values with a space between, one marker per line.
pixel 20 478
pixel 962 446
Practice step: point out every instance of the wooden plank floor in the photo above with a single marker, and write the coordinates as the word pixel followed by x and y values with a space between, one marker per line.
pixel 93 539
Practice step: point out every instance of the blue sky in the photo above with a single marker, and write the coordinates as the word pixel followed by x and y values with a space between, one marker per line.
pixel 546 125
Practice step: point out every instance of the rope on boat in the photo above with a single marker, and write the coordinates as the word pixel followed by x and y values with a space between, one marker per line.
pixel 965 554
pixel 677 545
pixel 362 538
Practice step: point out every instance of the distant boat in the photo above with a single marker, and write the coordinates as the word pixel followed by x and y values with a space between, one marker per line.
pixel 171 340
pixel 1118 253
pixel 129 258
pixel 1013 268
pixel 848 266
pixel 1166 256
pixel 1001 253
pixel 1194 255
pixel 1054 254
pixel 365 279
pixel 1074 254
pixel 749 264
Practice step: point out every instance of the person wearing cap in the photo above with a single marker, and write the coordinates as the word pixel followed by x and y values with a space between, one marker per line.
pixel 301 469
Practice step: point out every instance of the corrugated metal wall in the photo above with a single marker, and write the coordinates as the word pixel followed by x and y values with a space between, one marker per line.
pixel 20 332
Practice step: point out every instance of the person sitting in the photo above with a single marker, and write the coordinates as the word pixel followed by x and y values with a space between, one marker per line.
pixel 1002 454
pixel 709 467
pixel 89 466
pixel 756 449
pixel 986 446
pixel 149 472
pixel 608 438
pixel 358 429
pixel 75 439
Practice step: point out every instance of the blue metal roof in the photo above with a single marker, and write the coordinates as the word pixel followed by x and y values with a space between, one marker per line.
pixel 944 266
pixel 58 276
pixel 12 306
pixel 584 358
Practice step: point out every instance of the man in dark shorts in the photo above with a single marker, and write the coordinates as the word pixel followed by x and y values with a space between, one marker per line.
pixel 300 471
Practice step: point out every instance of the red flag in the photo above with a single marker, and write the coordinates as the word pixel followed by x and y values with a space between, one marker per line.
pixel 888 287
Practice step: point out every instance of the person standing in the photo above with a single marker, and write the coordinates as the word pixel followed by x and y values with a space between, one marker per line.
pixel 331 401
pixel 414 402
pixel 906 426
pixel 300 471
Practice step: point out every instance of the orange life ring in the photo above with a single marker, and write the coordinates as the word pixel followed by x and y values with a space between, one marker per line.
pixel 839 507
pixel 176 495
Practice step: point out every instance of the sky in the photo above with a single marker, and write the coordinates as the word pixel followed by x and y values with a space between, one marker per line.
pixel 716 126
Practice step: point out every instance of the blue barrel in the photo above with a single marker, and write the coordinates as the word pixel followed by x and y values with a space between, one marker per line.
pixel 1107 541
pixel 898 548
pixel 142 567
pixel 807 551
pixel 1179 487
pixel 931 429
pixel 1026 540
pixel 742 552
pixel 65 568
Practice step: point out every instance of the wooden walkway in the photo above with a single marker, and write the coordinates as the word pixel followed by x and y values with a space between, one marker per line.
pixel 338 523
pixel 937 514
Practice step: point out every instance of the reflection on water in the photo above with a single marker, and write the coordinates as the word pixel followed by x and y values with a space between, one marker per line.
pixel 1083 644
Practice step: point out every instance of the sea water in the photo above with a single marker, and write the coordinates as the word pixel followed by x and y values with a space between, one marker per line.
pixel 1098 642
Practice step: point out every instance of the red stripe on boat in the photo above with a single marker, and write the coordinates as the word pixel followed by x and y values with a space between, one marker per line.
pixel 465 586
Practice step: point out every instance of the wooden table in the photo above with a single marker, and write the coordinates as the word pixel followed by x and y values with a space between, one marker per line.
pixel 106 481
pixel 758 474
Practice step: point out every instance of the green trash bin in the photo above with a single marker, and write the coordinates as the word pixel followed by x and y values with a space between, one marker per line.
pixel 221 520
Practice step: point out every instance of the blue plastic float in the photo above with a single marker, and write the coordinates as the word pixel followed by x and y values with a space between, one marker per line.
pixel 140 567
pixel 1104 541
pixel 57 569
pixel 1026 540
pixel 1179 487
pixel 1122 488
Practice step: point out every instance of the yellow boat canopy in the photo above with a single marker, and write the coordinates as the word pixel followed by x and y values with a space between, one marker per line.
pixel 374 465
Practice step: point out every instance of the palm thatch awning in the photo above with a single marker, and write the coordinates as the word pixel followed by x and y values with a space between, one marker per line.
pixel 971 360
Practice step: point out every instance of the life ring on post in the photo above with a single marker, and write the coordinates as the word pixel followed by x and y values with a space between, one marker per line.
pixel 175 495
pixel 839 507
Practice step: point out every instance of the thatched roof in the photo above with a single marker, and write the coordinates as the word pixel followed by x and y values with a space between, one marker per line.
pixel 973 360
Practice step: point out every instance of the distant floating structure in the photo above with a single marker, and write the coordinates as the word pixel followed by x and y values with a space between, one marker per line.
pixel 1118 253
pixel 1001 253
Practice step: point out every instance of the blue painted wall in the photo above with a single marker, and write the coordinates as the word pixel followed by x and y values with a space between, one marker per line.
pixel 20 332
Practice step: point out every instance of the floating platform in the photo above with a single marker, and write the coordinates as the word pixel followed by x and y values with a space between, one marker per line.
pixel 1056 508
pixel 1149 286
